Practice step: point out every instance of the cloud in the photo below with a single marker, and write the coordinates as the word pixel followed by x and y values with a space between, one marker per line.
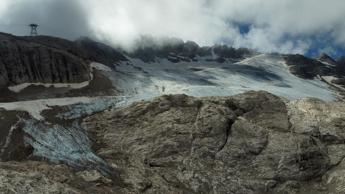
pixel 287 26
pixel 123 21
pixel 64 18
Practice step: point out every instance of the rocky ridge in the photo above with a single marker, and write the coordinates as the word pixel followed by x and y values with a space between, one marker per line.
pixel 50 60
pixel 23 61
pixel 249 143
pixel 176 50
pixel 308 68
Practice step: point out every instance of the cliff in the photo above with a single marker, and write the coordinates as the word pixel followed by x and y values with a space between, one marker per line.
pixel 50 60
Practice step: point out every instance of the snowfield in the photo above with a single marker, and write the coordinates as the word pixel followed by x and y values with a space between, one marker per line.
pixel 204 78
pixel 137 81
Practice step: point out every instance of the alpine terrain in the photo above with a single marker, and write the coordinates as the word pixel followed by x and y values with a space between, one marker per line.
pixel 84 117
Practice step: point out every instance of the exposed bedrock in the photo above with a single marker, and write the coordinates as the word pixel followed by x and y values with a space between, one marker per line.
pixel 50 60
pixel 24 61
pixel 250 143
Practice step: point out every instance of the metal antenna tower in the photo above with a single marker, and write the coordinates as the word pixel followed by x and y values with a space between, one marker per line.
pixel 33 29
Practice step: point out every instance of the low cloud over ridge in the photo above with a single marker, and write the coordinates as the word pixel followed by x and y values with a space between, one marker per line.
pixel 286 26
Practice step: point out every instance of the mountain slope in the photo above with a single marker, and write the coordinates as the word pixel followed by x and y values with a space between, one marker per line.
pixel 90 131
pixel 53 67
pixel 251 143
pixel 26 61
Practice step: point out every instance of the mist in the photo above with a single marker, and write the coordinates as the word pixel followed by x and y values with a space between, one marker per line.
pixel 285 26
pixel 61 18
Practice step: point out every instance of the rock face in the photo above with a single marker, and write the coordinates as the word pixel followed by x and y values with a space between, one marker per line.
pixel 39 177
pixel 248 143
pixel 176 50
pixel 308 68
pixel 99 52
pixel 341 65
pixel 23 61
pixel 50 60
pixel 323 66
pixel 327 59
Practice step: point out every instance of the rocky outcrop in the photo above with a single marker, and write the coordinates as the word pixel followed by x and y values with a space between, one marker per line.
pixel 176 50
pixel 324 65
pixel 40 177
pixel 24 61
pixel 341 61
pixel 99 52
pixel 341 65
pixel 12 145
pixel 84 48
pixel 249 143
pixel 50 60
pixel 327 59
pixel 308 68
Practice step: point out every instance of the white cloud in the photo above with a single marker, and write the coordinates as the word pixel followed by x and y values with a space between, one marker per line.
pixel 207 22
pixel 125 20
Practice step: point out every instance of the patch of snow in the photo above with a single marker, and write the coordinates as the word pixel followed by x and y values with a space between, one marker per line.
pixel 35 107
pixel 98 66
pixel 20 87
pixel 326 63
pixel 329 80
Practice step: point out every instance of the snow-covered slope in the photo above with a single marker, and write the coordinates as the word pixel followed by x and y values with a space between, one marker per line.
pixel 137 80
pixel 42 118
pixel 209 78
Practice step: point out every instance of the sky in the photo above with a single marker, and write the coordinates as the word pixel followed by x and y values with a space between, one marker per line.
pixel 285 26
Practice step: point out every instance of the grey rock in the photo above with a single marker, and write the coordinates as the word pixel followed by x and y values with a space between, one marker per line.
pixel 308 68
pixel 24 61
pixel 39 177
pixel 248 143
pixel 326 58
pixel 50 60
pixel 252 143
